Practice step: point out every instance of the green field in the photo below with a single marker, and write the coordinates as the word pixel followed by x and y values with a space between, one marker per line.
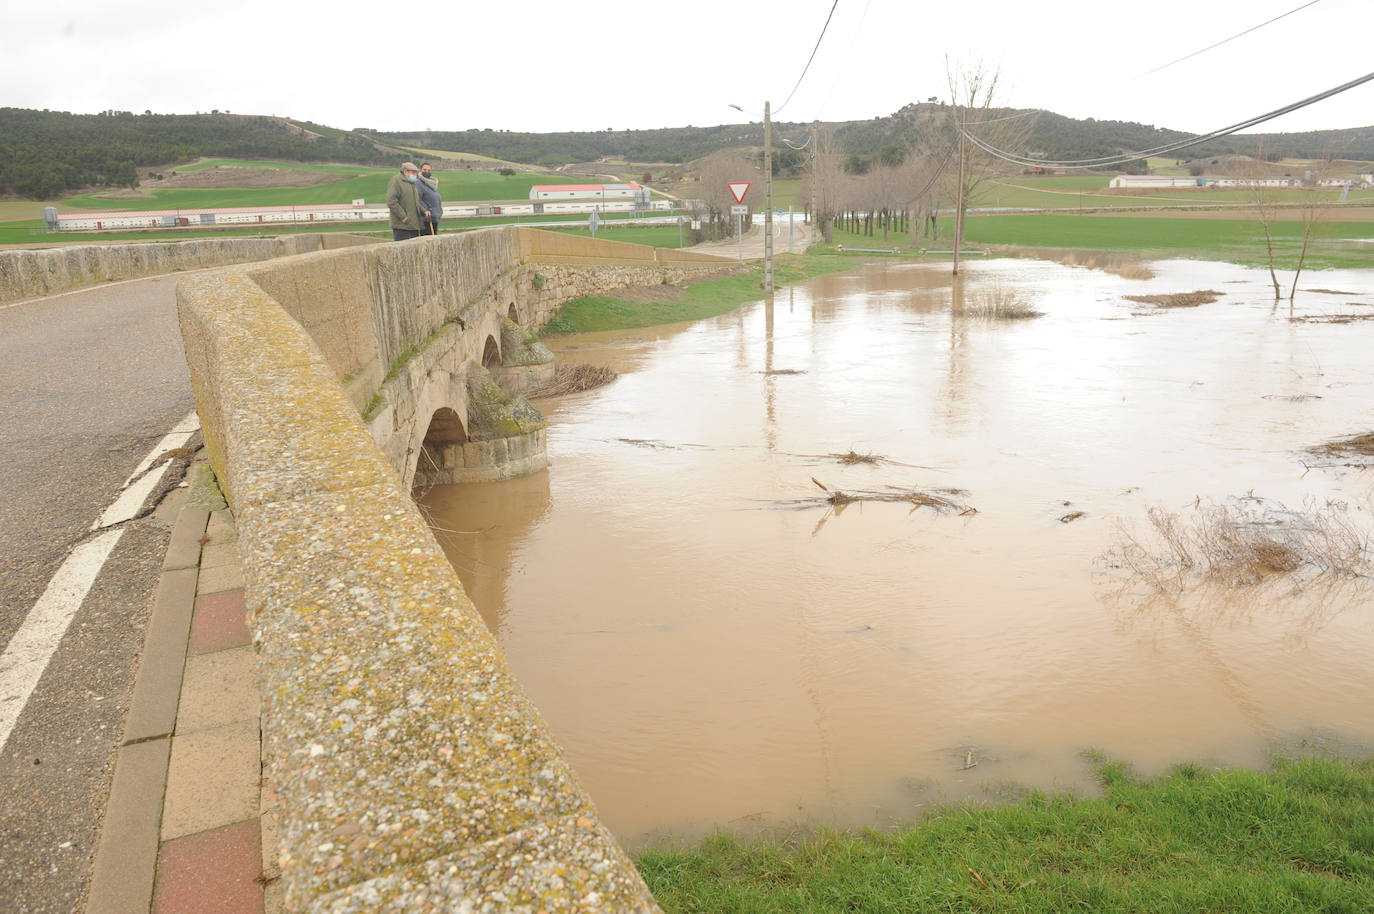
pixel 699 300
pixel 1299 838
pixel 1235 240
pixel 355 182
pixel 1092 192
pixel 658 236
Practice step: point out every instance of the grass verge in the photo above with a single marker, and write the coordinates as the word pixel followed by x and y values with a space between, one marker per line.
pixel 707 298
pixel 1294 839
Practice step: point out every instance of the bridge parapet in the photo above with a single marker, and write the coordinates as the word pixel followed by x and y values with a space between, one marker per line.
pixel 412 771
pixel 30 272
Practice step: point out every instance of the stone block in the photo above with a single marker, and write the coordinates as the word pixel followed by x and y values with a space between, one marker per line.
pixel 212 780
pixel 219 688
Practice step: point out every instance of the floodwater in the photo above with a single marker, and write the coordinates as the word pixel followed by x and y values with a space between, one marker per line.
pixel 715 646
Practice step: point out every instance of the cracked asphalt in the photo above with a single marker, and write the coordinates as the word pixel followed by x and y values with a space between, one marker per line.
pixel 89 383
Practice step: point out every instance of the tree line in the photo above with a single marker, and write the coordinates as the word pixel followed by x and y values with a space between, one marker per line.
pixel 44 154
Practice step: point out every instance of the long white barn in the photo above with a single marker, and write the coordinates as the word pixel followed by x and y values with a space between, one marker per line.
pixel 584 191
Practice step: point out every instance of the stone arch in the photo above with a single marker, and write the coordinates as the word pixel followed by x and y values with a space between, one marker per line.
pixel 491 354
pixel 440 453
pixel 513 314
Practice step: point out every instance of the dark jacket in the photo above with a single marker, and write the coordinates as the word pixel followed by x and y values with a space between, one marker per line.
pixel 404 203
pixel 429 198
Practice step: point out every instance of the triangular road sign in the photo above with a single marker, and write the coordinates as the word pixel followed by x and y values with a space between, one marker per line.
pixel 738 189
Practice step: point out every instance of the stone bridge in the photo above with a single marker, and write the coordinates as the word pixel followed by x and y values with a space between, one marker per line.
pixel 412 771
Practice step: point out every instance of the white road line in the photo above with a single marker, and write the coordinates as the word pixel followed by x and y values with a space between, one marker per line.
pixel 176 438
pixel 136 492
pixel 27 655
pixel 29 651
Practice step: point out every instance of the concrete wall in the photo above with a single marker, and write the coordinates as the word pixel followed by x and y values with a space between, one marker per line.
pixel 412 771
pixel 31 272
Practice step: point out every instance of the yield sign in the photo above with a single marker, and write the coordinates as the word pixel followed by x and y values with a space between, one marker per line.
pixel 738 189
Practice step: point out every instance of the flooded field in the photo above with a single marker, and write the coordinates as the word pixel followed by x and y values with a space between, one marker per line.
pixel 718 640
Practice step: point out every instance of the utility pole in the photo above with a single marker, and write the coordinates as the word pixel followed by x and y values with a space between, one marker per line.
pixel 959 196
pixel 813 172
pixel 768 213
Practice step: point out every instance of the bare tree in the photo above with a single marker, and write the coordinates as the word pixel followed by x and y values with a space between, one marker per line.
pixel 1260 188
pixel 972 90
pixel 826 174
pixel 1311 211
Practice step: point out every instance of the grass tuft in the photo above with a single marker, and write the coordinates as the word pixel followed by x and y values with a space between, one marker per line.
pixel 996 302
pixel 1177 299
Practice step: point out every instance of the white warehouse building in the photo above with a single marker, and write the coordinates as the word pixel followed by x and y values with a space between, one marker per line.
pixel 584 191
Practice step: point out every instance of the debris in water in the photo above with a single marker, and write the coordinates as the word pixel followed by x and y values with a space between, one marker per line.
pixel 859 629
pixel 942 500
pixel 569 379
pixel 1331 318
pixel 1292 398
pixel 781 371
pixel 853 458
pixel 970 762
pixel 656 445
pixel 1072 516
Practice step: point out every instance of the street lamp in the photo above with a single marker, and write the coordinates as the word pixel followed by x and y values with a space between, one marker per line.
pixel 768 195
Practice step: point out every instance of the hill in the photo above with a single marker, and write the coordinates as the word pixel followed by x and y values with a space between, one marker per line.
pixel 47 153
pixel 44 154
pixel 1052 136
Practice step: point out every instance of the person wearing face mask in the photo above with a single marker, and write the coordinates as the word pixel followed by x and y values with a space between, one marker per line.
pixel 431 207
pixel 403 200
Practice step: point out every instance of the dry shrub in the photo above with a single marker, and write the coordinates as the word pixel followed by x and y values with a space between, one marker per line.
pixel 569 379
pixel 1127 266
pixel 1356 446
pixel 1178 299
pixel 998 302
pixel 1246 541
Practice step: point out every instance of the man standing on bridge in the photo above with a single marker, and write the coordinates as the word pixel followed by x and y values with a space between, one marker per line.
pixel 403 200
pixel 431 207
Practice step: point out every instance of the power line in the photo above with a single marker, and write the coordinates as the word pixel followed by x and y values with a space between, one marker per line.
pixel 840 73
pixel 1122 158
pixel 1225 40
pixel 809 59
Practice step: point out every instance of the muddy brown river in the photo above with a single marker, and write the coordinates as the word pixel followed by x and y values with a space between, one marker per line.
pixel 716 645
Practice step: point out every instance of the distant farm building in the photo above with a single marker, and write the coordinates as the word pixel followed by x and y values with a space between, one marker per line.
pixel 1156 181
pixel 1250 182
pixel 583 191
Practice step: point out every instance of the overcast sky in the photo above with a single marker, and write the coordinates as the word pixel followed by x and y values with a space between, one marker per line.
pixel 546 66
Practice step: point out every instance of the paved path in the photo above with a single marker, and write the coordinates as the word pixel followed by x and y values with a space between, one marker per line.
pixel 803 236
pixel 90 382
pixel 190 827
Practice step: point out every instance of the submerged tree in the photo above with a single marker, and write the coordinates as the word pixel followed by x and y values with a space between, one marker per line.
pixel 972 90
pixel 1260 188
pixel 1311 211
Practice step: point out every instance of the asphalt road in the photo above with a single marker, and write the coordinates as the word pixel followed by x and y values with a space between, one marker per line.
pixel 90 381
